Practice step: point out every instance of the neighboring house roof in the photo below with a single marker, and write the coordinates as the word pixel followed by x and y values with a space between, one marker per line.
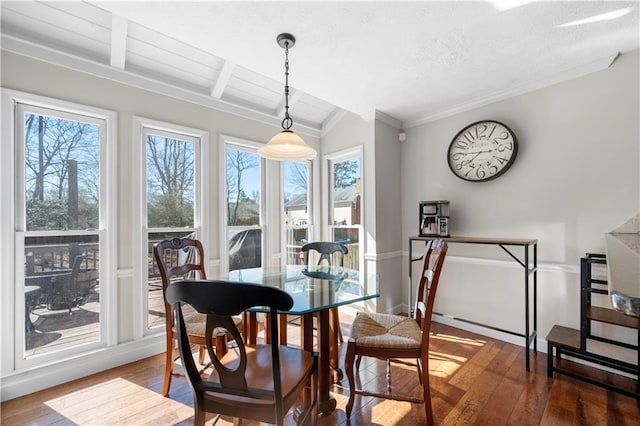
pixel 341 197
pixel 298 202
pixel 344 196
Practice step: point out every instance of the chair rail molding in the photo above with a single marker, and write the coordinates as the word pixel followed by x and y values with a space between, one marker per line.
pixel 374 257
pixel 484 261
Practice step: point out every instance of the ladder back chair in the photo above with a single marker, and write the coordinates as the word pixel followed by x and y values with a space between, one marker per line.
pixel 182 258
pixel 389 337
pixel 328 252
pixel 257 382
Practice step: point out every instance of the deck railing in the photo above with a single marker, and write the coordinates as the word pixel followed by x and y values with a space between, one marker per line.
pixel 53 257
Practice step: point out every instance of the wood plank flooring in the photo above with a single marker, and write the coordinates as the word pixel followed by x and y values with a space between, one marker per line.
pixel 475 380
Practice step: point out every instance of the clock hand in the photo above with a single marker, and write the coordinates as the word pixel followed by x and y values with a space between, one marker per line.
pixel 477 153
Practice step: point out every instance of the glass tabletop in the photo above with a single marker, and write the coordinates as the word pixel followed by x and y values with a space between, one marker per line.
pixel 313 289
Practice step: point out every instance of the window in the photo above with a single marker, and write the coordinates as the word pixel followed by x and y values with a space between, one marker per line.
pixel 62 230
pixel 244 205
pixel 297 215
pixel 172 204
pixel 345 200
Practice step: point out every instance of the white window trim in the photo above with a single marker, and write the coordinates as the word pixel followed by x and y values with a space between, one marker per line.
pixel 201 208
pixel 11 324
pixel 313 195
pixel 250 146
pixel 327 191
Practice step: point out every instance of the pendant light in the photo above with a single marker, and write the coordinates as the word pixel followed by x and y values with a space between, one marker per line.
pixel 286 145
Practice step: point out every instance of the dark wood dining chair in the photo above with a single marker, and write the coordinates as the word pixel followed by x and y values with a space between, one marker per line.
pixel 389 337
pixel 177 259
pixel 257 382
pixel 329 253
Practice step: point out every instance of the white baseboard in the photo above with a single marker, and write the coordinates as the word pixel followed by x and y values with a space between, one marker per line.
pixel 33 380
pixel 516 340
pixel 489 332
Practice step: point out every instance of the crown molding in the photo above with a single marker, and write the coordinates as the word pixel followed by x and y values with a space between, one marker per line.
pixel 35 51
pixel 387 119
pixel 383 117
pixel 598 64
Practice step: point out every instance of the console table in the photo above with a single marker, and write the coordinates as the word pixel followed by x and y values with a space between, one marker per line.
pixel 530 268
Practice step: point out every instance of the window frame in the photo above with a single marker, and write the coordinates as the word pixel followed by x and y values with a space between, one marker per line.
pixel 200 139
pixel 327 198
pixel 311 207
pixel 252 147
pixel 13 218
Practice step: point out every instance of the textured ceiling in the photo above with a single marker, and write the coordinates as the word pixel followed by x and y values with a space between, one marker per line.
pixel 412 61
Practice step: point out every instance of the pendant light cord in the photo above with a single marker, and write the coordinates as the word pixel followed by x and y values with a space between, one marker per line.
pixel 287 122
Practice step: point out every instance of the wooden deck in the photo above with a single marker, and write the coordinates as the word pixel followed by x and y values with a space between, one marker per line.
pixel 54 330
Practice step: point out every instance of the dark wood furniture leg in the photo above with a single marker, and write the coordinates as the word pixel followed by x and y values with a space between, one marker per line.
pixel 336 339
pixel 250 327
pixel 326 404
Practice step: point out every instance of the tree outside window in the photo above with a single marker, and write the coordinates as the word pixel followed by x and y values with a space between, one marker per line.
pixel 243 204
pixel 61 174
pixel 170 182
pixel 243 194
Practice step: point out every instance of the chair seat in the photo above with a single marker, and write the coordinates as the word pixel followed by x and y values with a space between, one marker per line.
pixel 294 363
pixel 387 331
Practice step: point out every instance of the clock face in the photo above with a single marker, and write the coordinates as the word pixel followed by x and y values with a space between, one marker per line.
pixel 482 151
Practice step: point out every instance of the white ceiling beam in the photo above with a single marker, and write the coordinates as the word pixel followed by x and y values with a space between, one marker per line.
pixel 119 28
pixel 223 79
pixel 294 97
pixel 99 69
pixel 332 119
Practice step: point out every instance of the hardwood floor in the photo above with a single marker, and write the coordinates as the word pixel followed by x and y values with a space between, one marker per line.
pixel 475 381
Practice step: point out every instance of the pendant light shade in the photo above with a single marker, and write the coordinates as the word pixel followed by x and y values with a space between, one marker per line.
pixel 286 145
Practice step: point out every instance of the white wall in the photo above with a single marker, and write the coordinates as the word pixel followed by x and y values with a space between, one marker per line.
pixel 576 177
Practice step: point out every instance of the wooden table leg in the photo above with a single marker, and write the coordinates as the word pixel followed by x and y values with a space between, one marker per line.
pixel 334 335
pixel 306 332
pixel 326 404
pixel 250 327
pixel 282 329
pixel 282 326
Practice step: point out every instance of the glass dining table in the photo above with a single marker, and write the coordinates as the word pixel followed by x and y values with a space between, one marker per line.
pixel 315 291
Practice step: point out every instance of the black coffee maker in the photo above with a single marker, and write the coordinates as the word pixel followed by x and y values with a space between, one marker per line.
pixel 434 218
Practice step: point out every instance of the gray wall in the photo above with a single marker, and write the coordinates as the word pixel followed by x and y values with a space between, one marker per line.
pixel 388 211
pixel 576 177
pixel 382 207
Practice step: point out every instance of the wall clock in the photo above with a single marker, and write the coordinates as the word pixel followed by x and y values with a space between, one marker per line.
pixel 482 151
